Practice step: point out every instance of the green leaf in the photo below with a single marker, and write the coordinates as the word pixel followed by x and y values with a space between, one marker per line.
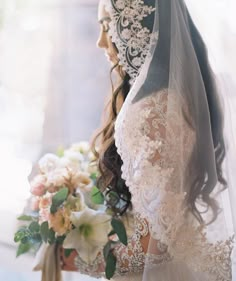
pixel 107 249
pixel 67 252
pixel 96 196
pixel 51 236
pixel 25 240
pixel 34 227
pixel 36 238
pixel 93 176
pixel 60 239
pixel 25 218
pixel 20 234
pixel 111 233
pixel 58 199
pixel 113 198
pixel 119 228
pixel 23 248
pixel 44 231
pixel 110 265
pixel 53 209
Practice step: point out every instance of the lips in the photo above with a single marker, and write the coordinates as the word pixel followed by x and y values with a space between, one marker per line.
pixel 109 56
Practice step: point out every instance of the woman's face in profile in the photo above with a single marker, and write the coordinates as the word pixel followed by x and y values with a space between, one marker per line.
pixel 104 40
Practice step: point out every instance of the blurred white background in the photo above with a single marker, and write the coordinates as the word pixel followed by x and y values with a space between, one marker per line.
pixel 53 82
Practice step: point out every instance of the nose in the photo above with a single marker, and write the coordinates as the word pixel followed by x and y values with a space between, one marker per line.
pixel 102 40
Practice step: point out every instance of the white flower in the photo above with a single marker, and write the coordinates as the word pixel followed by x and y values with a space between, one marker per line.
pixel 82 181
pixel 75 203
pixel 92 168
pixel 73 156
pixel 91 156
pixel 48 163
pixel 90 234
pixel 70 164
pixel 57 177
pixel 82 147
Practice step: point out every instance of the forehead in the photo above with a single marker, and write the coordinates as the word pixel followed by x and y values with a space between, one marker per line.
pixel 102 13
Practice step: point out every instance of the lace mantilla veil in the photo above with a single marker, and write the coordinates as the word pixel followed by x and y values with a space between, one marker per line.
pixel 170 143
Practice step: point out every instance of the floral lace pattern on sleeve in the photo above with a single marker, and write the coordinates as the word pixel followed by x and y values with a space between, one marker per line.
pixel 155 140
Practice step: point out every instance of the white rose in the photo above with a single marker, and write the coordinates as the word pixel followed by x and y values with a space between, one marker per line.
pixel 48 163
pixel 82 147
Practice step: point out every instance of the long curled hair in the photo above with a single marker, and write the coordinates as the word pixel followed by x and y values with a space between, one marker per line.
pixel 109 160
pixel 202 189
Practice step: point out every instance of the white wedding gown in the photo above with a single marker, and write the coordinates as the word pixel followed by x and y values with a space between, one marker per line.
pixel 148 172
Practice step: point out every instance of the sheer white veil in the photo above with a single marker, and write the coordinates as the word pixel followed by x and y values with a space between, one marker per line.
pixel 204 180
pixel 219 33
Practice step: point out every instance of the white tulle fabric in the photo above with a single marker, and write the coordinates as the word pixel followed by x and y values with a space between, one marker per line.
pixel 151 168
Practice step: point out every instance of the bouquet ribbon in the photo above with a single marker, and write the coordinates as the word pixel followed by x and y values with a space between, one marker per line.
pixel 48 261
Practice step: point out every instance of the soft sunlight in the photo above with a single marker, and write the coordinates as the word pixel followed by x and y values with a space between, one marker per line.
pixel 53 84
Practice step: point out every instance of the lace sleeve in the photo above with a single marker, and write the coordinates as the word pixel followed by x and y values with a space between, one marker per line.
pixel 155 139
pixel 153 162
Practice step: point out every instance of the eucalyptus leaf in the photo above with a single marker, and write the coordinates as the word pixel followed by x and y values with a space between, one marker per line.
pixel 20 234
pixel 44 231
pixel 53 209
pixel 36 238
pixel 96 196
pixel 110 265
pixel 51 236
pixel 60 239
pixel 107 249
pixel 58 199
pixel 25 240
pixel 119 228
pixel 67 252
pixel 23 248
pixel 111 233
pixel 25 218
pixel 34 227
pixel 93 176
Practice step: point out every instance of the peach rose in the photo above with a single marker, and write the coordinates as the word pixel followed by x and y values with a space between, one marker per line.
pixel 43 215
pixel 60 221
pixel 45 201
pixel 38 185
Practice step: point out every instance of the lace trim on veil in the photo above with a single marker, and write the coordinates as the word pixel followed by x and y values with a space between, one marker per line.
pixel 129 33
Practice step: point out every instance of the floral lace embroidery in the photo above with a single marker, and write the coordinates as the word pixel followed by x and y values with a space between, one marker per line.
pixel 155 155
pixel 130 31
pixel 90 269
pixel 131 259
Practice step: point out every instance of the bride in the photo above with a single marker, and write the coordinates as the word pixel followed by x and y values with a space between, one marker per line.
pixel 162 147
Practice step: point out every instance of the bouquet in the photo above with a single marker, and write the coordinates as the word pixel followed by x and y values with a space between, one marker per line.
pixel 67 209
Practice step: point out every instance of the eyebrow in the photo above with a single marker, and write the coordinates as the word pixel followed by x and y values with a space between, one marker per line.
pixel 101 21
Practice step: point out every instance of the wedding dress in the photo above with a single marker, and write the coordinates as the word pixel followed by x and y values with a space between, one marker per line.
pixel 139 141
pixel 164 136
